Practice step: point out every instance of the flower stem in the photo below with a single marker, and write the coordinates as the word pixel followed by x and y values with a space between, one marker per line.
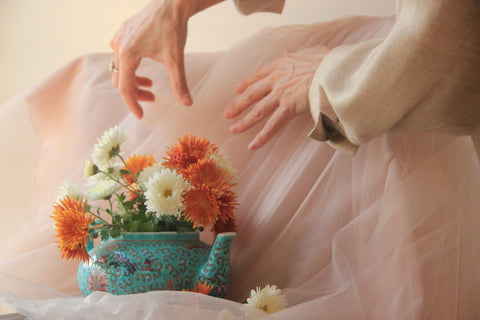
pixel 131 174
pixel 119 182
pixel 111 207
pixel 120 204
pixel 106 223
pixel 100 218
pixel 128 169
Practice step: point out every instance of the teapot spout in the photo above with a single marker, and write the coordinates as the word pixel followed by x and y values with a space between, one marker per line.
pixel 216 270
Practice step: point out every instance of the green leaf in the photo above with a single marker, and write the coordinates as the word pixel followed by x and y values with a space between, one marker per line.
pixel 121 197
pixel 104 234
pixel 149 227
pixel 184 229
pixel 133 226
pixel 117 219
pixel 162 227
pixel 115 232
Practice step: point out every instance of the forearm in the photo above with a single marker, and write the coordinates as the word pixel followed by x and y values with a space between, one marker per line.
pixel 420 78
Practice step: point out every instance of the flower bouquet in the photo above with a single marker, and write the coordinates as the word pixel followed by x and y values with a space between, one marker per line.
pixel 144 200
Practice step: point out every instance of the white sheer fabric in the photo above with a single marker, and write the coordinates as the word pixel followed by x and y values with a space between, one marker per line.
pixel 389 234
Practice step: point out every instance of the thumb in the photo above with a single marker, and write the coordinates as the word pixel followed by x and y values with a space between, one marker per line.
pixel 178 80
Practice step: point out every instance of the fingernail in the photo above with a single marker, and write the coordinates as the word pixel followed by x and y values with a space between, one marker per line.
pixel 252 145
pixel 187 98
pixel 234 128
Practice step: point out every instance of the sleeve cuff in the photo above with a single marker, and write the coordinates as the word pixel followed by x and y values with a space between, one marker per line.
pixel 247 7
pixel 325 131
pixel 327 125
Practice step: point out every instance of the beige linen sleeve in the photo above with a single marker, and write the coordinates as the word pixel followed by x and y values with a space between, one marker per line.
pixel 251 6
pixel 425 76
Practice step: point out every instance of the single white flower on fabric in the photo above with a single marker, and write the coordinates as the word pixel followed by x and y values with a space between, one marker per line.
pixel 224 164
pixel 148 173
pixel 269 299
pixel 90 169
pixel 108 147
pixel 67 188
pixel 252 313
pixel 101 187
pixel 226 314
pixel 164 193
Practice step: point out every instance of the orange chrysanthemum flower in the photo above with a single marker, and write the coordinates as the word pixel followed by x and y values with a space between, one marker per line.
pixel 200 287
pixel 229 225
pixel 201 207
pixel 188 151
pixel 206 173
pixel 72 225
pixel 227 205
pixel 226 220
pixel 136 164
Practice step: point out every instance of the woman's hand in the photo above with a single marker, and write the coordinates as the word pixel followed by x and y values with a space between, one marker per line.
pixel 279 90
pixel 159 32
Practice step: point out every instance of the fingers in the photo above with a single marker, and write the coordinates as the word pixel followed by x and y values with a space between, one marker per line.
pixel 261 110
pixel 259 74
pixel 127 84
pixel 115 74
pixel 115 59
pixel 143 82
pixel 276 121
pixel 288 80
pixel 143 95
pixel 248 98
pixel 178 80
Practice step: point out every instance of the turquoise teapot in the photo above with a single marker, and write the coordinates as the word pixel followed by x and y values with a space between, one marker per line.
pixel 147 261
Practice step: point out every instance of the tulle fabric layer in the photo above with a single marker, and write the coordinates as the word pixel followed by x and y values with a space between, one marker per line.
pixel 389 234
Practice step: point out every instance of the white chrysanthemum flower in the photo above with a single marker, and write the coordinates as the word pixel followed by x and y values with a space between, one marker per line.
pixel 224 164
pixel 108 147
pixel 148 173
pixel 114 171
pixel 226 314
pixel 67 188
pixel 251 313
pixel 90 169
pixel 269 299
pixel 101 187
pixel 164 192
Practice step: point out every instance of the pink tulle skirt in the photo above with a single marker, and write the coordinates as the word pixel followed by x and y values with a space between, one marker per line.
pixel 392 233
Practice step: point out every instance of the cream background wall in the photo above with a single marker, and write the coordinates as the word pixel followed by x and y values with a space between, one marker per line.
pixel 38 36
